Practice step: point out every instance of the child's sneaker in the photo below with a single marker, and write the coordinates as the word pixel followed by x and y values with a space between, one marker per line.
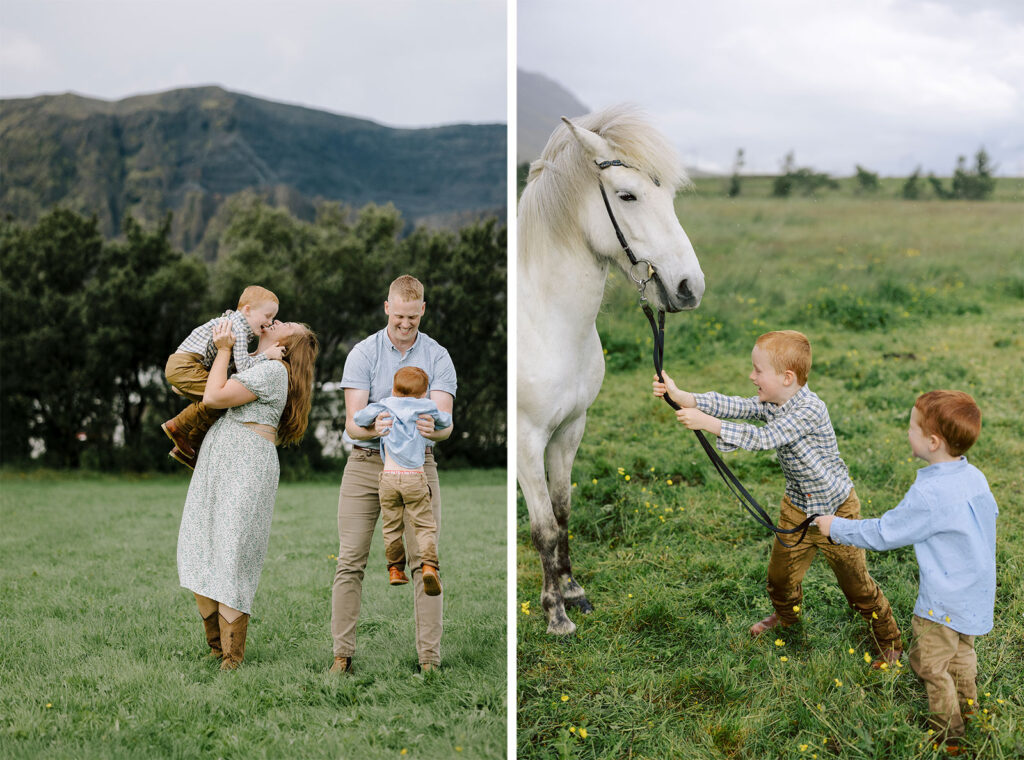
pixel 431 580
pixel 396 577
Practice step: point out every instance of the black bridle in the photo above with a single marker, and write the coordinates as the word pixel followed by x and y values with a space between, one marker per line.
pixel 747 501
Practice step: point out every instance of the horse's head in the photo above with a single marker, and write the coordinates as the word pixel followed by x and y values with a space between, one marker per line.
pixel 643 206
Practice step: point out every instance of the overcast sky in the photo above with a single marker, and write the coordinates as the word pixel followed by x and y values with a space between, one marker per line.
pixel 399 62
pixel 889 84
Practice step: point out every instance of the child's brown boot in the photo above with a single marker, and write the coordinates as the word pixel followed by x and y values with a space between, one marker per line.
pixel 431 580
pixel 179 437
pixel 396 577
pixel 180 456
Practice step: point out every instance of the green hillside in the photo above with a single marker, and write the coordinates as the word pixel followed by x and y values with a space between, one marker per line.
pixel 187 150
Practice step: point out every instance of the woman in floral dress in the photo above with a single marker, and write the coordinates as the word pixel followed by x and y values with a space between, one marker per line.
pixel 225 526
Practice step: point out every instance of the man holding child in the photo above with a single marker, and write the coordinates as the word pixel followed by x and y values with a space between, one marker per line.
pixel 368 378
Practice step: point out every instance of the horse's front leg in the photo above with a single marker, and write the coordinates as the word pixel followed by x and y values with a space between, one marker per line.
pixel 544 531
pixel 560 455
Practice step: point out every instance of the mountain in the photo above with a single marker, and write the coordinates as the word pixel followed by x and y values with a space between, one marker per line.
pixel 187 150
pixel 541 105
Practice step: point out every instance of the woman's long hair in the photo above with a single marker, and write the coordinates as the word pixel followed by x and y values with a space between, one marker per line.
pixel 301 350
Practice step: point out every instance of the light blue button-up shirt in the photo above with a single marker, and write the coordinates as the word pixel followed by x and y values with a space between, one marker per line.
pixel 404 443
pixel 949 515
pixel 372 363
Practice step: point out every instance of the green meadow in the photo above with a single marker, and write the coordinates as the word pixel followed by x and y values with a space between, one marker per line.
pixel 102 654
pixel 897 298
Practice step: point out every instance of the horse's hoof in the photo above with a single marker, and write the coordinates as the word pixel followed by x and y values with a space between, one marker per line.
pixel 581 604
pixel 561 628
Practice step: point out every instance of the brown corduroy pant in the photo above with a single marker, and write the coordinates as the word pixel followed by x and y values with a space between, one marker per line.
pixel 405 499
pixel 185 371
pixel 947 663
pixel 787 567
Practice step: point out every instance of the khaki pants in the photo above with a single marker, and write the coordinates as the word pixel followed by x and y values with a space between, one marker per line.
pixel 186 372
pixel 946 661
pixel 787 567
pixel 358 510
pixel 405 499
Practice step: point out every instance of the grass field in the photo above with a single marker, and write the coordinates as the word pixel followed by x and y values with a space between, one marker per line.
pixel 101 653
pixel 897 298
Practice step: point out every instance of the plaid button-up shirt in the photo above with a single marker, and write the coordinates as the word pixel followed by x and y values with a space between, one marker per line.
pixel 800 431
pixel 200 341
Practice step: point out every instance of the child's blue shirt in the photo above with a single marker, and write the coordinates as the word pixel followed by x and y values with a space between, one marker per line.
pixel 403 443
pixel 949 515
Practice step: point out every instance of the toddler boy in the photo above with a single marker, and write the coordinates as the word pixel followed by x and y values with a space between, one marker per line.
pixel 798 427
pixel 189 367
pixel 949 515
pixel 403 489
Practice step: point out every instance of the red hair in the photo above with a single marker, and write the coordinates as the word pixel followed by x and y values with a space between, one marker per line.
pixel 952 416
pixel 411 381
pixel 787 349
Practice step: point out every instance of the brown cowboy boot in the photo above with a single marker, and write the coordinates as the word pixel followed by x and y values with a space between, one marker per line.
pixel 232 640
pixel 212 627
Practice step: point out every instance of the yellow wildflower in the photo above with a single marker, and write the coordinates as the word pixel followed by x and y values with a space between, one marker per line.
pixel 583 733
pixel 630 596
pixel 988 694
pixel 803 747
pixel 404 751
pixel 669 481
pixel 779 642
pixel 627 477
pixel 572 729
pixel 575 484
pixel 458 748
pixel 867 657
pixel 565 697
pixel 970 701
pixel 594 481
pixel 884 666
pixel 821 706
pixel 851 650
pixel 796 608
pixel 1000 701
pixel 838 682
pixel 49 704
pixel 784 658
pixel 652 469
pixel 874 615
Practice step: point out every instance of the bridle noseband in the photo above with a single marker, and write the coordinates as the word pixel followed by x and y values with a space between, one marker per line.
pixel 747 501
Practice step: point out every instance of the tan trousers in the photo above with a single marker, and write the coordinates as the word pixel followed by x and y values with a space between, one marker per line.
pixel 358 510
pixel 947 663
pixel 787 567
pixel 186 372
pixel 404 499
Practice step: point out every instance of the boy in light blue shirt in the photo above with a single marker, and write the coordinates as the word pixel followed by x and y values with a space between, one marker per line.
pixel 949 515
pixel 402 488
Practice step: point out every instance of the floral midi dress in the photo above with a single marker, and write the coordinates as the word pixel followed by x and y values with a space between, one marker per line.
pixel 225 526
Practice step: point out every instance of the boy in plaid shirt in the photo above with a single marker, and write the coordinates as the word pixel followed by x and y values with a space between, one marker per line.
pixel 798 427
pixel 189 367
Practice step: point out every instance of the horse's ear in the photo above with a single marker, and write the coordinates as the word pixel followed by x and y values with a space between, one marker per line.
pixel 595 146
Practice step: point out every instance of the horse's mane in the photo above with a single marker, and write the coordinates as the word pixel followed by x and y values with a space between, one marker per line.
pixel 559 177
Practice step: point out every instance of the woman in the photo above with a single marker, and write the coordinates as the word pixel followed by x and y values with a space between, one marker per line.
pixel 225 526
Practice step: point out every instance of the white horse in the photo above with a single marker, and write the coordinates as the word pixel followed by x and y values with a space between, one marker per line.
pixel 566 245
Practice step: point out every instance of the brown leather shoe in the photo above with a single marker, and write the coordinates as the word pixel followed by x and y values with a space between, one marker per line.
pixel 431 580
pixel 396 577
pixel 179 456
pixel 232 641
pixel 772 621
pixel 342 665
pixel 179 438
pixel 887 657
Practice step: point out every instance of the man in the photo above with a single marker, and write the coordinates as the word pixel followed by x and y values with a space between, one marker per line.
pixel 367 378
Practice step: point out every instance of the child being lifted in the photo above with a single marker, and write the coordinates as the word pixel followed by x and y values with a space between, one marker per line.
pixel 798 427
pixel 403 490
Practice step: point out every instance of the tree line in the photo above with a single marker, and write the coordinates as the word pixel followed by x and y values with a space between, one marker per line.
pixel 975 182
pixel 88 323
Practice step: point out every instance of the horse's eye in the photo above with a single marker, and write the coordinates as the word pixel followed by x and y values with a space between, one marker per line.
pixel 624 196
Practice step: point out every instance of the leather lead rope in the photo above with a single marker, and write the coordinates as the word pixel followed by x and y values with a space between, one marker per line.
pixel 747 501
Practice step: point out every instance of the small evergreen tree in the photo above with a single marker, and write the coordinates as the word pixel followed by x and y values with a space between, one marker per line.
pixel 867 182
pixel 734 180
pixel 912 187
